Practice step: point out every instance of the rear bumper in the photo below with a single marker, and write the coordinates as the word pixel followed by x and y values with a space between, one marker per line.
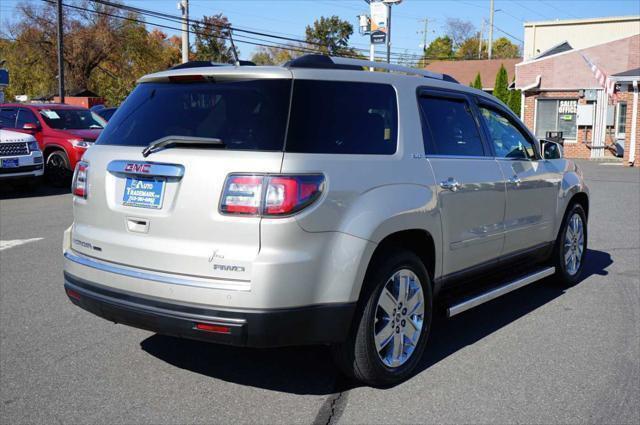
pixel 318 324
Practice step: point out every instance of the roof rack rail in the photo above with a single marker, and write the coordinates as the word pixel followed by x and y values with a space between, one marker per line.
pixel 336 62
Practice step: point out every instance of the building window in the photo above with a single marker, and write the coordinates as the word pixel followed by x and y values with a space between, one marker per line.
pixel 556 115
pixel 621 120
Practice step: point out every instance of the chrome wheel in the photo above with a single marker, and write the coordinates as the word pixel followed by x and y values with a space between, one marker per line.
pixel 399 316
pixel 573 244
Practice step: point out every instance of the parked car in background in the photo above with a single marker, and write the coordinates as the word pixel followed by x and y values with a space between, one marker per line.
pixel 63 132
pixel 106 113
pixel 20 157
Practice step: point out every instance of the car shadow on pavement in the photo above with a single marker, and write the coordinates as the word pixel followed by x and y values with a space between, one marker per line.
pixel 18 190
pixel 310 370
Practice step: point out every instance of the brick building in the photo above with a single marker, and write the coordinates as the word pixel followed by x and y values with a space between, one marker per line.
pixel 560 93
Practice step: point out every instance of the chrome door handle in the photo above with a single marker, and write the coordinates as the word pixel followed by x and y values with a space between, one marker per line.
pixel 451 184
pixel 515 180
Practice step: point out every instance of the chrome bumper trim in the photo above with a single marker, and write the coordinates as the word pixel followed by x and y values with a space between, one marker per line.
pixel 155 277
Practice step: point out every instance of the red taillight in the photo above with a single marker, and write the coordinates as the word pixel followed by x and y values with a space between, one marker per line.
pixel 242 195
pixel 207 327
pixel 283 194
pixel 79 183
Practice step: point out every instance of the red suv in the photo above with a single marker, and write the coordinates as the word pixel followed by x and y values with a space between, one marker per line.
pixel 64 133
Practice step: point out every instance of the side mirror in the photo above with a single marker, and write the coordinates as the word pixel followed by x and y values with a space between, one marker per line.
pixel 551 150
pixel 31 127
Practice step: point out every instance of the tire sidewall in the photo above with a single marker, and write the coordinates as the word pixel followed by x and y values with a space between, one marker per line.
pixel 59 176
pixel 376 281
pixel 569 279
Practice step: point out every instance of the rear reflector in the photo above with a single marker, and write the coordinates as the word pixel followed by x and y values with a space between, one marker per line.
pixel 218 329
pixel 73 294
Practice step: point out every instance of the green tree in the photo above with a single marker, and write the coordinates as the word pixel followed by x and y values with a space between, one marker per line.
pixel 330 36
pixel 477 83
pixel 212 39
pixel 468 49
pixel 503 48
pixel 514 100
pixel 501 87
pixel 440 48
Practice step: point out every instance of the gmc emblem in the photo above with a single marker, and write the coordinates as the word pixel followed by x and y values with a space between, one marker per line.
pixel 137 168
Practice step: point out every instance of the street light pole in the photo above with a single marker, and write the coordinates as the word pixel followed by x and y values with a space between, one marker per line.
pixel 60 54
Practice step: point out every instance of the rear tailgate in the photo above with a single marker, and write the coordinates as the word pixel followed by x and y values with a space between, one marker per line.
pixel 181 230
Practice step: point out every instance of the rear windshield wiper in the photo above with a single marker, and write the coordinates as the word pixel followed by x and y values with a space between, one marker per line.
pixel 179 140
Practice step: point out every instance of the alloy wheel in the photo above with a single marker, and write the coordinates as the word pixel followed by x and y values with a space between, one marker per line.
pixel 399 318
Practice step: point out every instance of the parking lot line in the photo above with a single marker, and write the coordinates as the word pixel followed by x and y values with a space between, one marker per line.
pixel 16 242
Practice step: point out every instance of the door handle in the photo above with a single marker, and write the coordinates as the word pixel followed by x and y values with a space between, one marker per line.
pixel 515 180
pixel 451 184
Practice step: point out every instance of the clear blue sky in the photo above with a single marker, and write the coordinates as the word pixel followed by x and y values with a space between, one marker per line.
pixel 289 17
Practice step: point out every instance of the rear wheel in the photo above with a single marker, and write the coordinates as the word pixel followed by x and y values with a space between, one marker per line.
pixel 571 246
pixel 58 169
pixel 392 324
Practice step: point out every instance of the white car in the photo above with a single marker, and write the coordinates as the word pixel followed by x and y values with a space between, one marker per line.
pixel 20 156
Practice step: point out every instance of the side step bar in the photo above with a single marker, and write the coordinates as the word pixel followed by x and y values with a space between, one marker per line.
pixel 497 292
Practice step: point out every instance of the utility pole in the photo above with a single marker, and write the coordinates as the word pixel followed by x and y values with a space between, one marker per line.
pixel 60 54
pixel 184 7
pixel 480 41
pixel 424 34
pixel 389 32
pixel 491 11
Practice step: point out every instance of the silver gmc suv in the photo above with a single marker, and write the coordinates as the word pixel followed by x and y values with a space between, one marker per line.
pixel 316 202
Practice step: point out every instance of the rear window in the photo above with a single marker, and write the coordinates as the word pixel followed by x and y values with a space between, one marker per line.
pixel 343 118
pixel 245 115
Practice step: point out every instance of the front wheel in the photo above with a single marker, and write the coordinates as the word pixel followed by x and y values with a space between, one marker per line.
pixel 392 323
pixel 571 246
pixel 58 170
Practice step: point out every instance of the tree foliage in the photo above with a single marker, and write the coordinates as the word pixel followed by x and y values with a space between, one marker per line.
pixel 514 100
pixel 440 48
pixel 503 49
pixel 212 36
pixel 275 55
pixel 501 87
pixel 103 52
pixel 330 36
pixel 458 31
pixel 477 83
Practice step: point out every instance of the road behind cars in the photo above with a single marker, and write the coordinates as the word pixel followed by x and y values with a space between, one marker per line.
pixel 538 355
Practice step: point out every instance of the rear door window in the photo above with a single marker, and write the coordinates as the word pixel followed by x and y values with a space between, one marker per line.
pixel 245 115
pixel 450 127
pixel 338 117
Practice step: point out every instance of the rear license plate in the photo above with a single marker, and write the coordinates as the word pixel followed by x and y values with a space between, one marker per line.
pixel 10 163
pixel 143 193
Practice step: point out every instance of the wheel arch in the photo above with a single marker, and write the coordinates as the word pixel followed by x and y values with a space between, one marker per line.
pixel 419 241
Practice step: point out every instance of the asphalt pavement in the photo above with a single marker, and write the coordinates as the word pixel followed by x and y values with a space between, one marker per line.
pixel 537 355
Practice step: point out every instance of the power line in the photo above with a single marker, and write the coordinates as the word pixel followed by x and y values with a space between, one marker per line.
pixel 558 9
pixel 178 19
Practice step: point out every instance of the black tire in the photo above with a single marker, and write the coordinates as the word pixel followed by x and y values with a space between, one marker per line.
pixel 58 169
pixel 565 276
pixel 358 357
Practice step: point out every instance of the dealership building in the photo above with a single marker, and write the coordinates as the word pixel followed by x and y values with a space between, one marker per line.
pixel 580 77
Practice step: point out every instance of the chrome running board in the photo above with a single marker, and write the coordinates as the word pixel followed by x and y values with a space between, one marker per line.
pixel 497 292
